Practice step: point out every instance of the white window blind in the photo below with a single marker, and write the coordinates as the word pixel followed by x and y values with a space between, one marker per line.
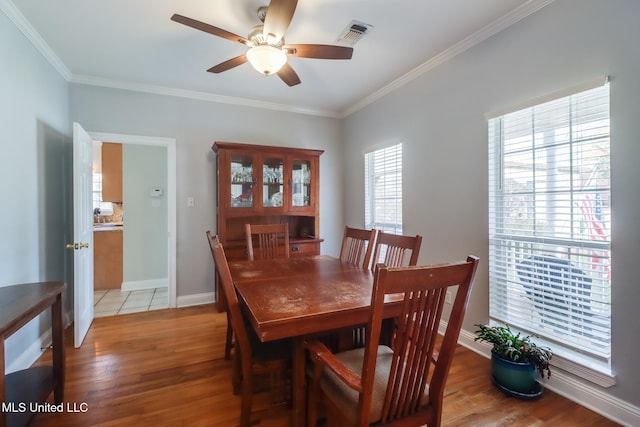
pixel 550 222
pixel 383 189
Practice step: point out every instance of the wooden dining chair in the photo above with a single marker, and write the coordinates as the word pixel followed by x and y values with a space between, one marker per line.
pixel 272 241
pixel 251 357
pixel 357 246
pixel 391 249
pixel 222 302
pixel 402 384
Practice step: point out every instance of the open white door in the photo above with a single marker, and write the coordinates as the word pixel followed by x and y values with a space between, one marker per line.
pixel 82 233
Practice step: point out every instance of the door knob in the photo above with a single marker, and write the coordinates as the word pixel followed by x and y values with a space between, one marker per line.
pixel 77 246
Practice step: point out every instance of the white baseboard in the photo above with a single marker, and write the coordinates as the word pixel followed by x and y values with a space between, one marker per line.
pixel 196 299
pixel 568 386
pixel 68 319
pixel 137 285
pixel 31 354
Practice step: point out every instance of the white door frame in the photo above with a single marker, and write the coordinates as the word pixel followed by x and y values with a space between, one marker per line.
pixel 170 144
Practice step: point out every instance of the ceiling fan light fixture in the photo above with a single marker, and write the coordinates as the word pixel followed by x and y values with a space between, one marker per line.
pixel 266 59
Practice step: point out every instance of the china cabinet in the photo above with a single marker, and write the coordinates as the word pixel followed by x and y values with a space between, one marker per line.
pixel 260 184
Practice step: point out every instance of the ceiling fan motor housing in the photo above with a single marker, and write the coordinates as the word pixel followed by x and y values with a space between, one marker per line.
pixel 258 38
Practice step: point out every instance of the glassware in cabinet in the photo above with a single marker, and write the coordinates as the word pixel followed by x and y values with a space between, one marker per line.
pixel 273 182
pixel 301 183
pixel 242 181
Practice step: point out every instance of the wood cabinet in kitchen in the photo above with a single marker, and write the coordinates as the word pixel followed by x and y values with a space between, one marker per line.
pixel 111 172
pixel 107 258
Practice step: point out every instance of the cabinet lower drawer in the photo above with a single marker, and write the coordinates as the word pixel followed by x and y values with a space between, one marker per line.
pixel 304 248
pixel 296 248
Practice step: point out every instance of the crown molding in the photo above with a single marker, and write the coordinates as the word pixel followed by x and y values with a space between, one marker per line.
pixel 34 37
pixel 498 25
pixel 484 33
pixel 191 94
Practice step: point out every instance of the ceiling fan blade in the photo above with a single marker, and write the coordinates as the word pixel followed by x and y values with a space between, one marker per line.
pixel 278 18
pixel 288 75
pixel 209 29
pixel 320 51
pixel 229 64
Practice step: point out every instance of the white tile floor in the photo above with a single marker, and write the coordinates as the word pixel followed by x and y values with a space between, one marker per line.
pixel 114 301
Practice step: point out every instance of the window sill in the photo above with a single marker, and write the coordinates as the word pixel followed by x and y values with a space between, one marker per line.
pixel 583 367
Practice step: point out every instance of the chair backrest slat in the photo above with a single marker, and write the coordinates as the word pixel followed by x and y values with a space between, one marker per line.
pixel 357 246
pixel 395 247
pixel 415 337
pixel 272 239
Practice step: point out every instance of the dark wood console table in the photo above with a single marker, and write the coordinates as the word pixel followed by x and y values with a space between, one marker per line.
pixel 18 305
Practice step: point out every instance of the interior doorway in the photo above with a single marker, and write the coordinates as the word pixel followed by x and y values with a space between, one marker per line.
pixel 147 292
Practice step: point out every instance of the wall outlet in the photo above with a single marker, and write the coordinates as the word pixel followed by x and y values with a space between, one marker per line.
pixel 447 297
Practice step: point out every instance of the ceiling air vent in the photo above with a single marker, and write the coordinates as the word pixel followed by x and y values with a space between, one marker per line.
pixel 354 32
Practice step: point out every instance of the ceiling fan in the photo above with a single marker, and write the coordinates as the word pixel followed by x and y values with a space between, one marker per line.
pixel 267 50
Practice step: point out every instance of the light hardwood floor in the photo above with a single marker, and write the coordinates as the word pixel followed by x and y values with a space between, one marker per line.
pixel 166 368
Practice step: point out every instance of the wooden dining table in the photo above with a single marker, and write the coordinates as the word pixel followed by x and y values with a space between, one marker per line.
pixel 301 296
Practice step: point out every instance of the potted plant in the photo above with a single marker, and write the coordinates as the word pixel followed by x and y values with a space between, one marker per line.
pixel 515 359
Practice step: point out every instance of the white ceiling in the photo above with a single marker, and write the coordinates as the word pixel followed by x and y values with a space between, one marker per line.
pixel 133 44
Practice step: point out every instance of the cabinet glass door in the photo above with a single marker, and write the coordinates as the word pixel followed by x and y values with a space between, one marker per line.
pixel 272 182
pixel 242 181
pixel 301 183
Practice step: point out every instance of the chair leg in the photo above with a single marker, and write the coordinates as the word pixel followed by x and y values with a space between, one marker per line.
pixel 277 385
pixel 313 391
pixel 247 397
pixel 236 374
pixel 229 339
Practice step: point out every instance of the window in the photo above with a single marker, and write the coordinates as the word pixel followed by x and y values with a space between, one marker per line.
pixel 105 208
pixel 383 189
pixel 550 224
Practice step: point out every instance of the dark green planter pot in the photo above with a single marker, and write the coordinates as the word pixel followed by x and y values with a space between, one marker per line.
pixel 517 377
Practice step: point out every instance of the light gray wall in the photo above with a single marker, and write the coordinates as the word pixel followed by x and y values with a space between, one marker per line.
pixel 440 116
pixel 145 241
pixel 196 125
pixel 34 172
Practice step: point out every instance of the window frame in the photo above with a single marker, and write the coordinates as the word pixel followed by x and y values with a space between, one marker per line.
pixel 569 357
pixel 384 164
pixel 105 208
